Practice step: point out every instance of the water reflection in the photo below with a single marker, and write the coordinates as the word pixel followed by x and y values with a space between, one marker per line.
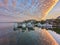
pixel 55 35
pixel 8 35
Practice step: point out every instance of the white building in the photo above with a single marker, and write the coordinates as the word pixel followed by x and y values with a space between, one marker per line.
pixel 30 24
pixel 39 24
pixel 46 25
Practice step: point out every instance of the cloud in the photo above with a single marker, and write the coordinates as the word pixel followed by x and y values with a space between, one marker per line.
pixel 37 9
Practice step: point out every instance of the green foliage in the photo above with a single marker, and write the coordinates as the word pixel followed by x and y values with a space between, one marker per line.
pixel 42 22
pixel 56 30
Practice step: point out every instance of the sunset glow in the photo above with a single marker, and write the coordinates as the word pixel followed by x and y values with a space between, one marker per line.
pixel 26 9
pixel 29 22
pixel 48 7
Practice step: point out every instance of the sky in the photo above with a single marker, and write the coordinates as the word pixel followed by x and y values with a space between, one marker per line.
pixel 20 10
pixel 55 12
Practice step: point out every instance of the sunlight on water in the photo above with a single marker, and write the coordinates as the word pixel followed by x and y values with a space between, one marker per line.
pixel 55 35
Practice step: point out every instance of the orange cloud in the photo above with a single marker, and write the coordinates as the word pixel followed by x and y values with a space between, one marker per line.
pixel 27 9
pixel 48 7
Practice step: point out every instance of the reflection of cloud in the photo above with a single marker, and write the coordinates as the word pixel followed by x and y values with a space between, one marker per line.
pixel 38 37
pixel 26 8
pixel 56 36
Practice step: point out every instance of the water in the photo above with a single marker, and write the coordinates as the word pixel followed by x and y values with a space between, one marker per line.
pixel 6 28
pixel 7 35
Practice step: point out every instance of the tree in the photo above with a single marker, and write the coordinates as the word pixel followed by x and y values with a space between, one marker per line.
pixel 42 22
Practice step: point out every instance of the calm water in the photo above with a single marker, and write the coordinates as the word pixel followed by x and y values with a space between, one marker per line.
pixel 7 29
